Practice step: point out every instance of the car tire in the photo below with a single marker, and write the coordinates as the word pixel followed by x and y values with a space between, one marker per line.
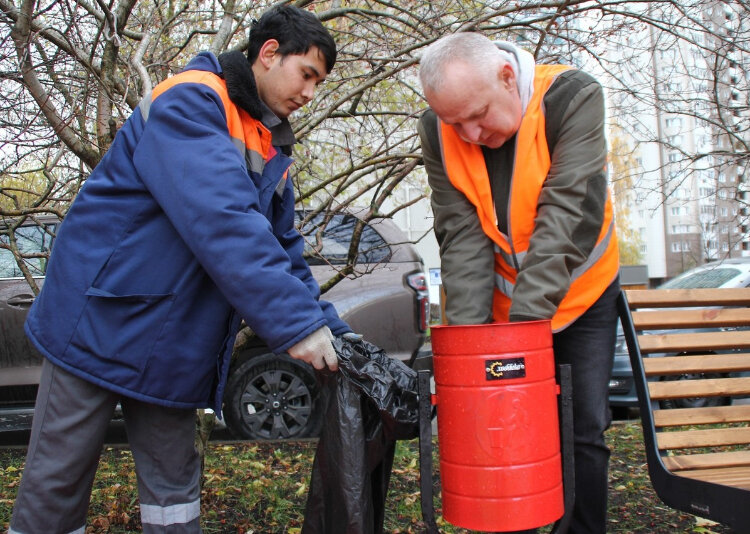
pixel 272 397
pixel 698 402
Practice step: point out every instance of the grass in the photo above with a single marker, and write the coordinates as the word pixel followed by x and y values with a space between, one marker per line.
pixel 261 488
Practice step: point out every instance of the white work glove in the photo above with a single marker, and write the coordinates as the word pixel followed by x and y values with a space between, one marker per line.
pixel 317 350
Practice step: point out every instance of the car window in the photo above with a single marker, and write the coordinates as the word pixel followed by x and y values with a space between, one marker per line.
pixel 332 244
pixel 703 279
pixel 34 243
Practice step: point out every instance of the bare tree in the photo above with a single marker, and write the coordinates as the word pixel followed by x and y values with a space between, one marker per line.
pixel 679 82
pixel 71 72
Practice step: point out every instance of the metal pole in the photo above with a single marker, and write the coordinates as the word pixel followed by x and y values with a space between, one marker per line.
pixel 425 452
pixel 565 408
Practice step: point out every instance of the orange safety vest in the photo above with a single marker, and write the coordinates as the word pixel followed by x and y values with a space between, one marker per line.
pixel 466 169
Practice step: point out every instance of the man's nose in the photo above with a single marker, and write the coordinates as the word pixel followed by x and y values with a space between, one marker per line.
pixel 473 132
pixel 308 91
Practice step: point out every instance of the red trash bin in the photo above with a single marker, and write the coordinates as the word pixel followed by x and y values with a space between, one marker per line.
pixel 498 430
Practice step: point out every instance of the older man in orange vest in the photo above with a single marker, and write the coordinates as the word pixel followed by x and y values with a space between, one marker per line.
pixel 515 155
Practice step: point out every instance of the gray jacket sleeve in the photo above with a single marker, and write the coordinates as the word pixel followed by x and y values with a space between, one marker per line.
pixel 466 253
pixel 570 210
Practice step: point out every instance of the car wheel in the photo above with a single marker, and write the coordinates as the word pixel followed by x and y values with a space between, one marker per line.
pixel 694 402
pixel 272 397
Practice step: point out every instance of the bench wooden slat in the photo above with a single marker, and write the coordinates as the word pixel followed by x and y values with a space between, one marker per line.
pixel 707 460
pixel 691 318
pixel 737 413
pixel 694 341
pixel 738 477
pixel 695 332
pixel 713 437
pixel 702 363
pixel 710 387
pixel 680 298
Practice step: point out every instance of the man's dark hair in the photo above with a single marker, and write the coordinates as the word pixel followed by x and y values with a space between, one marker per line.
pixel 296 30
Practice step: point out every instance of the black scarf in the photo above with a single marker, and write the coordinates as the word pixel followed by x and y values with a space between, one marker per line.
pixel 241 82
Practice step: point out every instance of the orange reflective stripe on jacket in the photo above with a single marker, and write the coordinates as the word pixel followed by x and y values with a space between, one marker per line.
pixel 249 135
pixel 466 169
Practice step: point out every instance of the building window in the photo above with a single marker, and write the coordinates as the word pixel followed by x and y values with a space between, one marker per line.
pixel 674 140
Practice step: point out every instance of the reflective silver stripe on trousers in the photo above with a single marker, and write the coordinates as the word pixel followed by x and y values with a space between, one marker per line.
pixel 170 515
pixel 81 530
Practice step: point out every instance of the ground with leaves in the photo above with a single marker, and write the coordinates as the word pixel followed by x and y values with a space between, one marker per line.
pixel 260 488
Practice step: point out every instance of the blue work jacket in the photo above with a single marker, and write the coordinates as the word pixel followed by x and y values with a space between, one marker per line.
pixel 185 227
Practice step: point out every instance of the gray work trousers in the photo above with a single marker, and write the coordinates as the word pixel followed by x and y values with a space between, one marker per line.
pixel 67 434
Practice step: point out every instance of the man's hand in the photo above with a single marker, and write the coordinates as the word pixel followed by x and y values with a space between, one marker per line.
pixel 317 350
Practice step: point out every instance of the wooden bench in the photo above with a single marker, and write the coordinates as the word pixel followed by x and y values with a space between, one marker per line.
pixel 698 457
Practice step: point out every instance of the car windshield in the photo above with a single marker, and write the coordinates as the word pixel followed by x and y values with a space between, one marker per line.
pixel 331 246
pixel 716 277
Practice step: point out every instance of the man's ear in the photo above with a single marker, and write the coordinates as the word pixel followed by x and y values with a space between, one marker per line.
pixel 268 52
pixel 506 75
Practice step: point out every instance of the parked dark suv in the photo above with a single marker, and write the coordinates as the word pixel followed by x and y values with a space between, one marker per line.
pixel 268 396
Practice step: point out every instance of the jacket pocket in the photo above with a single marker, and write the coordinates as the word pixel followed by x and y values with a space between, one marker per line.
pixel 121 328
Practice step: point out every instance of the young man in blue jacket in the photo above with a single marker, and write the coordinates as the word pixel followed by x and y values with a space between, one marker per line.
pixel 184 228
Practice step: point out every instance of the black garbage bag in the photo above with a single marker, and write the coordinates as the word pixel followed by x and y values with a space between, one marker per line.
pixel 370 403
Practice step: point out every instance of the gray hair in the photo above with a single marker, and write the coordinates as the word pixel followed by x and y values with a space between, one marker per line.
pixel 467 47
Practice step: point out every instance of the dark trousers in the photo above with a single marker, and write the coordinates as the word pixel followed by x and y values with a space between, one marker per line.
pixel 70 422
pixel 588 345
